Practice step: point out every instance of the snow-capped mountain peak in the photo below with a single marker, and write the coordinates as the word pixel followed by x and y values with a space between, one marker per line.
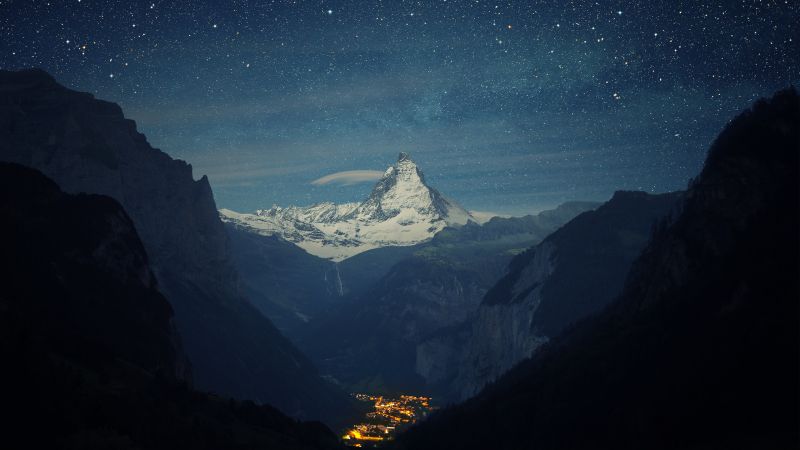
pixel 402 189
pixel 401 210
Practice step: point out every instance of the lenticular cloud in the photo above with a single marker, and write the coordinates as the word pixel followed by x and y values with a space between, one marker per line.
pixel 349 177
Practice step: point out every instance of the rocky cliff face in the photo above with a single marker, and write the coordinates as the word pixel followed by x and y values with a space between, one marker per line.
pixel 87 145
pixel 499 336
pixel 573 273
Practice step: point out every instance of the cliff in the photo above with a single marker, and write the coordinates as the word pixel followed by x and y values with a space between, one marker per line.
pixel 87 145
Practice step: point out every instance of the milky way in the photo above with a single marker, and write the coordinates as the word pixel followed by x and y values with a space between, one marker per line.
pixel 507 106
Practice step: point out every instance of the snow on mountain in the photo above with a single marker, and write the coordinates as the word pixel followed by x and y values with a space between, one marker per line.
pixel 401 210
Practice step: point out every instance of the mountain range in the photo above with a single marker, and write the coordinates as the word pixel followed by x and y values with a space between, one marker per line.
pixel 369 339
pixel 134 314
pixel 401 210
pixel 360 318
pixel 310 297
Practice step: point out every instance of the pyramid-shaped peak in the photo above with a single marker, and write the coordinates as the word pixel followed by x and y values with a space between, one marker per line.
pixel 403 156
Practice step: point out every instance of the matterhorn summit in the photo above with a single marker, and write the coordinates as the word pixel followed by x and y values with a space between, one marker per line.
pixel 401 210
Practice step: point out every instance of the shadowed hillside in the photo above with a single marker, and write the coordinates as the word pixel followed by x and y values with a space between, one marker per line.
pixel 701 348
pixel 87 145
pixel 576 271
pixel 90 355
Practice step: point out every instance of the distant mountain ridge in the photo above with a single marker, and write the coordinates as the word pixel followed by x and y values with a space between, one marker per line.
pixel 401 210
pixel 293 287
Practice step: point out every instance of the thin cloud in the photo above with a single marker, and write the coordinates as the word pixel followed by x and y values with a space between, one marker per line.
pixel 349 177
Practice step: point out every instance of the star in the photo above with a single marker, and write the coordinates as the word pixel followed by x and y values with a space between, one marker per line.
pixel 451 84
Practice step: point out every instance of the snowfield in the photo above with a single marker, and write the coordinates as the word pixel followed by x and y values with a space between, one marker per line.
pixel 401 210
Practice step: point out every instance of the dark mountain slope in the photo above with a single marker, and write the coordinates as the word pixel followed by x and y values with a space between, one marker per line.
pixel 599 245
pixel 73 267
pixel 701 348
pixel 287 284
pixel 360 272
pixel 574 272
pixel 87 145
pixel 90 355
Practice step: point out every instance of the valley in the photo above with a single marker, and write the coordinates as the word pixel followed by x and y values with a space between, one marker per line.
pixel 609 311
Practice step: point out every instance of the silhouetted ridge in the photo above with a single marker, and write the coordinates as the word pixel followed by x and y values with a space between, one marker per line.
pixel 28 77
pixel 87 145
pixel 701 348
pixel 86 281
pixel 619 207
pixel 90 356
pixel 758 125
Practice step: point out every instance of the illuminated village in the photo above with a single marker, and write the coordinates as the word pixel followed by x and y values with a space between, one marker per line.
pixel 388 415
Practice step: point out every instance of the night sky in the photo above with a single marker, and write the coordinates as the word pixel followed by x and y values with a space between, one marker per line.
pixel 509 107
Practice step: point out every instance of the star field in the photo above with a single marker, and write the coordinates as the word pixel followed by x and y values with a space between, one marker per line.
pixel 508 106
